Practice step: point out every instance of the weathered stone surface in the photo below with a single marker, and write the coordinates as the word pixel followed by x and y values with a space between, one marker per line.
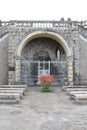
pixel 44 111
pixel 74 35
pixel 4 60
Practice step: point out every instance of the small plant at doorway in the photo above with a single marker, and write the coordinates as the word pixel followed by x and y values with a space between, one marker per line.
pixel 35 81
pixel 65 81
pixel 46 82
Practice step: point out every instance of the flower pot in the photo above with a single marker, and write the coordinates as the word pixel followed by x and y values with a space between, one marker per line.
pixel 46 86
pixel 46 83
pixel 45 89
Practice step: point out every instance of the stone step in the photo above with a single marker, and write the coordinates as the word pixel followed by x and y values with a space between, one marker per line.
pixel 25 87
pixel 14 86
pixel 76 92
pixel 75 89
pixel 10 97
pixel 80 98
pixel 72 87
pixel 21 91
pixel 12 93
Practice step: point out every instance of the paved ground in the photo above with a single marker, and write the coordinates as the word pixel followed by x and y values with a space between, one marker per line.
pixel 44 111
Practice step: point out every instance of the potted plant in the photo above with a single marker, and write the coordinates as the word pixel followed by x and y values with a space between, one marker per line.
pixel 46 82
pixel 35 81
pixel 65 81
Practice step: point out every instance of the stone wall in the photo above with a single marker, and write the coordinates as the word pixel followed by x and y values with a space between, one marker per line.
pixel 83 60
pixel 71 33
pixel 18 34
pixel 43 44
pixel 4 60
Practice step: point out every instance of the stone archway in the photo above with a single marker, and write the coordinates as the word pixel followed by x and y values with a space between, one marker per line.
pixel 47 34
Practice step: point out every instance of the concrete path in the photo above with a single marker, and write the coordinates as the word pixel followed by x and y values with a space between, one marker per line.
pixel 44 111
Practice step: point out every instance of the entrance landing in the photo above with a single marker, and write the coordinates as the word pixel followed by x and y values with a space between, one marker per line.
pixel 44 111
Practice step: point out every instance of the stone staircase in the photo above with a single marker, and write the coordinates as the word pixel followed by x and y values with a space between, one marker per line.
pixel 77 93
pixel 12 93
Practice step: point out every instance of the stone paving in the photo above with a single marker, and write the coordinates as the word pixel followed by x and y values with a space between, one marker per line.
pixel 44 111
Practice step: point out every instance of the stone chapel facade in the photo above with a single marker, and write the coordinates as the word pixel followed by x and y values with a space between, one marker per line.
pixel 29 49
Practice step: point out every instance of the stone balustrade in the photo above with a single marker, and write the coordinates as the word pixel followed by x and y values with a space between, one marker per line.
pixel 61 25
pixel 45 24
pixel 48 24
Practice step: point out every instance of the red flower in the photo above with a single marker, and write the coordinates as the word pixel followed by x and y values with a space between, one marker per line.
pixel 46 79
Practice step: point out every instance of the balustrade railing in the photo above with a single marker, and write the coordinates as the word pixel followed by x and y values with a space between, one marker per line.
pixel 62 25
pixel 45 24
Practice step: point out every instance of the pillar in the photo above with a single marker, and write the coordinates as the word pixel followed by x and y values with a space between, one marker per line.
pixel 70 69
pixel 18 70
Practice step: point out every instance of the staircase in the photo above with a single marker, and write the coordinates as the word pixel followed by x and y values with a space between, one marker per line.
pixel 77 93
pixel 12 93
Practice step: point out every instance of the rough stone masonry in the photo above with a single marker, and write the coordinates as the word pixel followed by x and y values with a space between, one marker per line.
pixel 60 40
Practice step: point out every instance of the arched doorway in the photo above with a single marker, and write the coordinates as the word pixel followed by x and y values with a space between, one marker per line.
pixel 41 50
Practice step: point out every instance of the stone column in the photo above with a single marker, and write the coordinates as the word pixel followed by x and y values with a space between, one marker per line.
pixel 70 69
pixel 11 74
pixel 18 70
